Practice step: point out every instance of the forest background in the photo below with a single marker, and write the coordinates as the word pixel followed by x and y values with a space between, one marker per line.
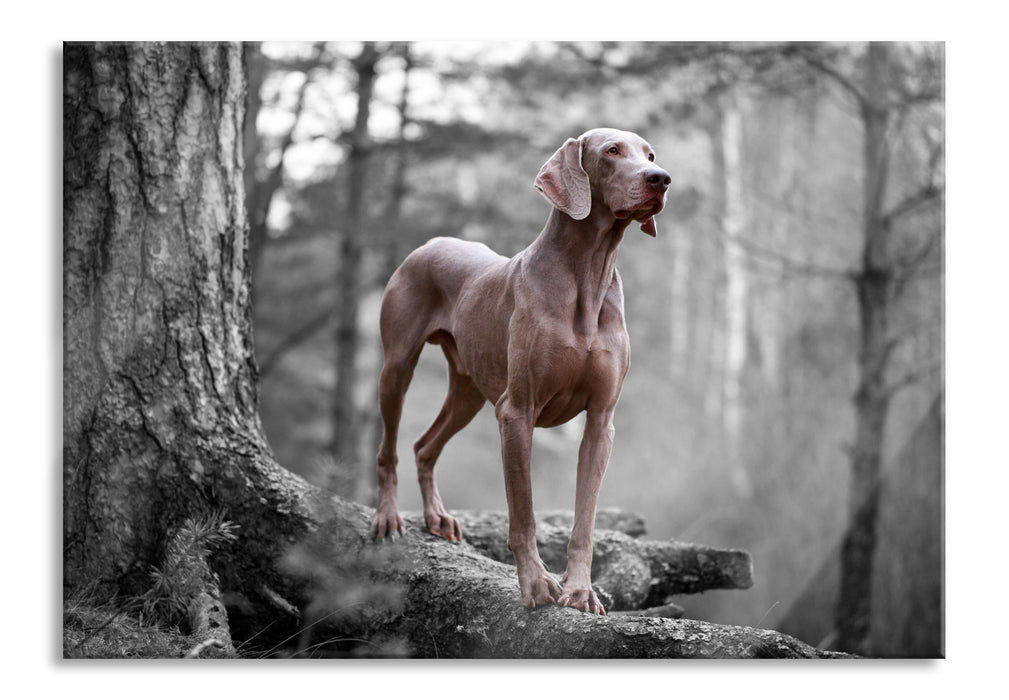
pixel 752 352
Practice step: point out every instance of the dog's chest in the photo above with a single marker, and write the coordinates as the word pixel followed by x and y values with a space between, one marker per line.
pixel 573 371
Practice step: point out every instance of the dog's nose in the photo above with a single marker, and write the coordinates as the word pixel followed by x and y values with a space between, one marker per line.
pixel 658 179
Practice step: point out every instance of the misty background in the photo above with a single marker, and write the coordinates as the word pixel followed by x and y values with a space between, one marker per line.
pixel 736 424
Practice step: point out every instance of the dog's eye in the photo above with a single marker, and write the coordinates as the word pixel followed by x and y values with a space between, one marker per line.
pixel 651 157
pixel 613 150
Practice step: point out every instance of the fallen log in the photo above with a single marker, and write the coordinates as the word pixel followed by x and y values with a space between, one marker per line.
pixel 668 610
pixel 610 518
pixel 455 602
pixel 629 573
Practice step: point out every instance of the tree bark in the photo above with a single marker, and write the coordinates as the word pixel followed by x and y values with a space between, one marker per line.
pixel 255 71
pixel 160 405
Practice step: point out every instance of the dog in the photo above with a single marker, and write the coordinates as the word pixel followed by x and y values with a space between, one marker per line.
pixel 541 336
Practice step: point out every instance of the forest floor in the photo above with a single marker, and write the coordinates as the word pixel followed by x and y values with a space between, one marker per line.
pixel 96 630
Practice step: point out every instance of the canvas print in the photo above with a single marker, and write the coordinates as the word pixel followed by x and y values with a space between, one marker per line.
pixel 503 350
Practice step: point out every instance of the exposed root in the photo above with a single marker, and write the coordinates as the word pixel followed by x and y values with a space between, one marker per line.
pixel 203 646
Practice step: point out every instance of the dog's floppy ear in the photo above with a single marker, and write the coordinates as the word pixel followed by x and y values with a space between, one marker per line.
pixel 564 182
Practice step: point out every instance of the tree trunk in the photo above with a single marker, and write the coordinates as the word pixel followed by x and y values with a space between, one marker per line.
pixel 727 155
pixel 736 290
pixel 160 405
pixel 256 69
pixel 367 491
pixel 345 419
pixel 261 187
pixel 872 398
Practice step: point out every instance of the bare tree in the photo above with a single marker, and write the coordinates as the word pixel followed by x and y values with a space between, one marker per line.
pixel 160 404
pixel 726 135
pixel 348 277
pixel 262 182
pixel 884 90
pixel 367 491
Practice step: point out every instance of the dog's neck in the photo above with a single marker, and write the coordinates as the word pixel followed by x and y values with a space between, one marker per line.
pixel 587 249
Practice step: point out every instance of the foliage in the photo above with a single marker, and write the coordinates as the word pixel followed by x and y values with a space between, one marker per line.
pixel 185 573
pixel 349 583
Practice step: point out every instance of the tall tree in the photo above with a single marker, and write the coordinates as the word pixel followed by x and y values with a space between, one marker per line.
pixel 261 181
pixel 160 415
pixel 348 277
pixel 727 153
pixel 367 491
pixel 884 88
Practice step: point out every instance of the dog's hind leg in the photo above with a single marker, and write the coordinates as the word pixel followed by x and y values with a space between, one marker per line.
pixel 463 402
pixel 404 332
pixel 393 383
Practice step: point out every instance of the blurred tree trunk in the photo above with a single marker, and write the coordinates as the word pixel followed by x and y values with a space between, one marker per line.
pixel 368 485
pixel 736 287
pixel 908 601
pixel 727 155
pixel 884 98
pixel 345 436
pixel 160 404
pixel 262 183
pixel 876 297
pixel 680 316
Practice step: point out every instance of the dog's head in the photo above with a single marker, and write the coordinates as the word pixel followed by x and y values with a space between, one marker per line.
pixel 610 168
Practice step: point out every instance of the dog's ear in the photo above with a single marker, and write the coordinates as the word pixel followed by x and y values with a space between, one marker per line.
pixel 564 182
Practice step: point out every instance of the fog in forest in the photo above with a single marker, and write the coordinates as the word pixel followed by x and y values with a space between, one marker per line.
pixel 737 424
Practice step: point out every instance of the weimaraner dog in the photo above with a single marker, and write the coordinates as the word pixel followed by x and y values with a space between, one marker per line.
pixel 541 336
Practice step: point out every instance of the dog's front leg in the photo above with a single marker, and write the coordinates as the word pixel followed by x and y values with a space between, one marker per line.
pixel 593 456
pixel 537 586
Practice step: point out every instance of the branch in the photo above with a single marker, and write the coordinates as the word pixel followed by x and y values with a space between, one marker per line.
pixel 919 198
pixel 906 269
pixel 815 61
pixel 784 262
pixel 203 646
pixel 913 377
pixel 261 197
pixel 631 524
pixel 313 326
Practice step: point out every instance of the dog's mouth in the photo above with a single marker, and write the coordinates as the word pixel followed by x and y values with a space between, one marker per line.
pixel 644 213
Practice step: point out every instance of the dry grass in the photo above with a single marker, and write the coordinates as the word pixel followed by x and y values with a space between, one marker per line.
pixel 96 630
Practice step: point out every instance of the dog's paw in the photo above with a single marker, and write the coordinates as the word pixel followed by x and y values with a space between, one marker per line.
pixel 541 589
pixel 387 523
pixel 583 599
pixel 444 525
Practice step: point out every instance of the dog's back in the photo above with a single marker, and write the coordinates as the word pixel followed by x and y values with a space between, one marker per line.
pixel 430 281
